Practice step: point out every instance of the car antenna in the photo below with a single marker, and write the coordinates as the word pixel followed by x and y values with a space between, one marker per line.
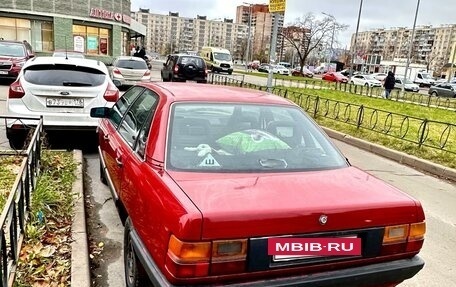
pixel 66 50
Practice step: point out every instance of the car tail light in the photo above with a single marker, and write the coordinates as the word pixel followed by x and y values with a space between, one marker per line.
pixel 199 259
pixel 15 90
pixel 116 71
pixel 147 73
pixel 112 93
pixel 403 238
pixel 176 69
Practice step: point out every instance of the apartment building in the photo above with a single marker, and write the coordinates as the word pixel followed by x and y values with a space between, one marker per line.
pixel 431 46
pixel 170 33
pixel 261 25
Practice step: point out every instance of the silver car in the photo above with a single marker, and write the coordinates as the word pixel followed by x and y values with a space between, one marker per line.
pixel 443 90
pixel 129 70
pixel 62 91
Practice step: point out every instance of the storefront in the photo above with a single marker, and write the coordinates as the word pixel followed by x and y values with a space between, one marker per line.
pixel 97 32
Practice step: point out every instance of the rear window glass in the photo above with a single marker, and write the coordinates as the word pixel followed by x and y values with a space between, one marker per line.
pixel 12 50
pixel 132 64
pixel 192 60
pixel 64 75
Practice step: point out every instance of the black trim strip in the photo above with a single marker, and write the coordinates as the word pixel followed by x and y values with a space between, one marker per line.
pixel 108 177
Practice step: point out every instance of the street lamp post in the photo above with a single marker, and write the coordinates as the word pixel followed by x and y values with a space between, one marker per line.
pixel 328 64
pixel 356 38
pixel 411 44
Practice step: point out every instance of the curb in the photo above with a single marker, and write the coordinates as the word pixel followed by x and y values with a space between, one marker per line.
pixel 80 267
pixel 400 157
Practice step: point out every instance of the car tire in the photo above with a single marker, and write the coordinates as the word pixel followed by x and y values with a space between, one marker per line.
pixel 16 138
pixel 434 93
pixel 366 85
pixel 135 275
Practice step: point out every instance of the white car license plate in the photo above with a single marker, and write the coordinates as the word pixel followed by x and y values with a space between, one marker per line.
pixel 58 102
pixel 3 72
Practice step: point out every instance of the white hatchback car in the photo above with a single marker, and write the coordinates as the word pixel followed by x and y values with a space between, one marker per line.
pixel 129 70
pixel 62 91
pixel 365 80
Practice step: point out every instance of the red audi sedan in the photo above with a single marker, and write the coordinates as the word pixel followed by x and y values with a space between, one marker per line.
pixel 228 186
pixel 335 77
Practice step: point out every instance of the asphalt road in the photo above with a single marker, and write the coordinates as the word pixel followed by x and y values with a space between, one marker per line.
pixel 438 198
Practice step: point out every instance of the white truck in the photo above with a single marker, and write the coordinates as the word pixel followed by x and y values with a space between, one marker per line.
pixel 420 77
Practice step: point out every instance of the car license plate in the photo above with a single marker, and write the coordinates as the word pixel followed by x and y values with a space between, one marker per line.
pixel 3 72
pixel 59 102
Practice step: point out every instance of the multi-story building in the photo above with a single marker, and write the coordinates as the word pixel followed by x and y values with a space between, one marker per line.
pixel 261 26
pixel 102 30
pixel 431 46
pixel 170 33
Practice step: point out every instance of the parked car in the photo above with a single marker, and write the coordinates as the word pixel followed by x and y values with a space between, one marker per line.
pixel 264 68
pixel 407 84
pixel 346 72
pixel 379 76
pixel 335 77
pixel 320 70
pixel 205 176
pixel 183 67
pixel 13 55
pixel 281 70
pixel 129 70
pixel 253 65
pixel 365 80
pixel 62 91
pixel 304 73
pixel 68 54
pixel 443 90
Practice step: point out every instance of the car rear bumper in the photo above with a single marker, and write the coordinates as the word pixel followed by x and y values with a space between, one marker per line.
pixel 226 70
pixel 9 74
pixel 380 273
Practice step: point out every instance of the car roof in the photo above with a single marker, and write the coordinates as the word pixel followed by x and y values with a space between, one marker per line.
pixel 12 41
pixel 70 61
pixel 179 92
pixel 185 55
pixel 131 58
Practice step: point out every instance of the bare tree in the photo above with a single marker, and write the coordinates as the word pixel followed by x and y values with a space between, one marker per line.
pixel 308 33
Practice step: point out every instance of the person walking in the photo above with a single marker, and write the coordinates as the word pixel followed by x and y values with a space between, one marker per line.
pixel 389 84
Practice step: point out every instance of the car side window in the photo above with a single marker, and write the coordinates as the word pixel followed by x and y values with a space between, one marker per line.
pixel 144 131
pixel 136 116
pixel 119 109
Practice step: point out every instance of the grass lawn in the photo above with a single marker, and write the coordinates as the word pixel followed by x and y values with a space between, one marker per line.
pixel 406 125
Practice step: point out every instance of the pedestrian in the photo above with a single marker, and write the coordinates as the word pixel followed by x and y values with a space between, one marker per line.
pixel 136 54
pixel 142 53
pixel 389 84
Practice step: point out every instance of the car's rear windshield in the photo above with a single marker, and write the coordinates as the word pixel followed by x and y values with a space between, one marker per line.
pixel 199 62
pixel 132 64
pixel 222 137
pixel 12 49
pixel 64 75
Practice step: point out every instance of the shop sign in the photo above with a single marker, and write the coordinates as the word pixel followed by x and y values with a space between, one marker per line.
pixel 78 44
pixel 109 15
pixel 92 43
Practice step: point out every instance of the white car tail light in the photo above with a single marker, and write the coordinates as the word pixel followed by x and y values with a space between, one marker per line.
pixel 112 93
pixel 116 71
pixel 16 91
pixel 147 73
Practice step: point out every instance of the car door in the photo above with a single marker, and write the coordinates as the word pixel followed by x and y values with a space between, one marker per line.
pixel 109 141
pixel 165 71
pixel 446 91
pixel 134 130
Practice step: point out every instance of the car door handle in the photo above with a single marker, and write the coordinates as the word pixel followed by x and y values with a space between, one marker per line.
pixel 119 161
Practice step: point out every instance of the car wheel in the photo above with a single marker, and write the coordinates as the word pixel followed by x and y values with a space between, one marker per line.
pixel 366 85
pixel 135 275
pixel 102 174
pixel 229 73
pixel 16 138
pixel 434 93
pixel 352 82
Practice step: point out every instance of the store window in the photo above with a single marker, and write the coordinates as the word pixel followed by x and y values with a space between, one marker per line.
pixel 91 40
pixel 38 33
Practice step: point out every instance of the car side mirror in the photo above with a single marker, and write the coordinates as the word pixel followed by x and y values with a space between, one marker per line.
pixel 100 112
pixel 117 83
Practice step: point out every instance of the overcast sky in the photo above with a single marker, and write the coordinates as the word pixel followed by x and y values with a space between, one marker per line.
pixel 375 13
